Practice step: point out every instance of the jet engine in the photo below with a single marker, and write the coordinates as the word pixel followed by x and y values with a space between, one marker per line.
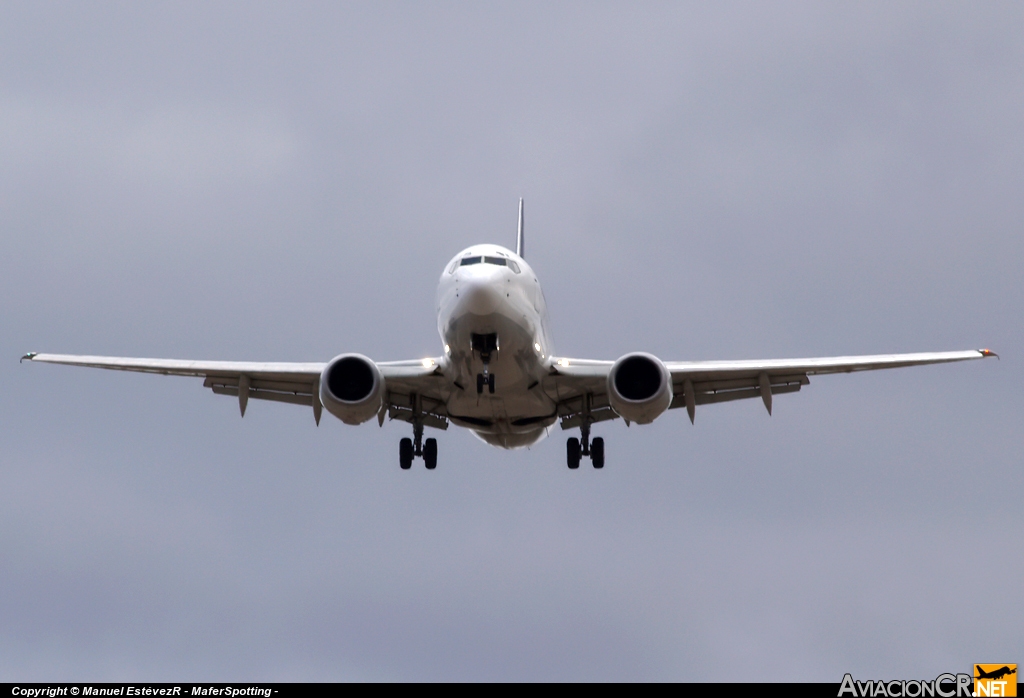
pixel 639 387
pixel 352 388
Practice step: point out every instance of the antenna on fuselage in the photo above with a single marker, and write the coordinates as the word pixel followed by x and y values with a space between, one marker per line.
pixel 520 247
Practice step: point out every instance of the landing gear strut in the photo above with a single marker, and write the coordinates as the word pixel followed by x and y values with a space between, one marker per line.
pixel 416 446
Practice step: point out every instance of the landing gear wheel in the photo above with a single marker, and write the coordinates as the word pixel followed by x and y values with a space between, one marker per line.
pixel 490 383
pixel 572 453
pixel 430 453
pixel 405 453
pixel 479 383
pixel 597 452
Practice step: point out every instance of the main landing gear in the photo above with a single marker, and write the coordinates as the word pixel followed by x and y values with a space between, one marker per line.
pixel 411 448
pixel 575 449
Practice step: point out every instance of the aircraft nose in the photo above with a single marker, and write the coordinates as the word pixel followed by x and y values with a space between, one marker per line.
pixel 480 294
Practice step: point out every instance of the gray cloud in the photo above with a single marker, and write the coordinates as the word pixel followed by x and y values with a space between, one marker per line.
pixel 259 181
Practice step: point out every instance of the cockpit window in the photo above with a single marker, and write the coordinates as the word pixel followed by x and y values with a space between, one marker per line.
pixel 496 261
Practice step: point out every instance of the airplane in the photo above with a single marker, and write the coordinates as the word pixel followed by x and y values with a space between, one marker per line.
pixel 996 674
pixel 499 375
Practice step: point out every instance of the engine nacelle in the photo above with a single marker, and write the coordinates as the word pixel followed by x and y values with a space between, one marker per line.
pixel 352 388
pixel 639 387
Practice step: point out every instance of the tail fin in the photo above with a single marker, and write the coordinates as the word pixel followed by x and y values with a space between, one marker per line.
pixel 520 246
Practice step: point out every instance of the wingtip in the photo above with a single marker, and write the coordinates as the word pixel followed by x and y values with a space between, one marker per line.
pixel 30 355
pixel 988 352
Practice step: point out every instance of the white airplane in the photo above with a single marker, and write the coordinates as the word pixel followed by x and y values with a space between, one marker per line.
pixel 499 376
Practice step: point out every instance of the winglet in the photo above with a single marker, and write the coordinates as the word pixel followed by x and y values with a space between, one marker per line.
pixel 520 246
pixel 31 355
pixel 988 352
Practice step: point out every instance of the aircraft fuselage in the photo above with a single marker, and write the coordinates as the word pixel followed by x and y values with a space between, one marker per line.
pixel 492 319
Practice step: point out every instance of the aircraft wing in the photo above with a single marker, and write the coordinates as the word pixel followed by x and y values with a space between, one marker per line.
pixel 296 383
pixel 703 382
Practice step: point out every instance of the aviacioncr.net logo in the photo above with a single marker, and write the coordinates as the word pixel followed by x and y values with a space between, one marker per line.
pixel 995 680
pixel 943 686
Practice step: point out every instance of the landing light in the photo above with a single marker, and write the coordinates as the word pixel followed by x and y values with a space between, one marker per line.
pixel 427 363
pixel 447 349
pixel 536 346
pixel 563 362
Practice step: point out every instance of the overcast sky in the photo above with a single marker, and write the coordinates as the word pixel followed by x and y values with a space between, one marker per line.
pixel 286 182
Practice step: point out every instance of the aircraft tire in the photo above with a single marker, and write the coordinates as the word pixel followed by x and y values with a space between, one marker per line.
pixel 430 454
pixel 572 453
pixel 405 453
pixel 597 452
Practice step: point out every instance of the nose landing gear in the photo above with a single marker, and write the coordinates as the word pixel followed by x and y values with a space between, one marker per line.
pixel 483 379
pixel 486 344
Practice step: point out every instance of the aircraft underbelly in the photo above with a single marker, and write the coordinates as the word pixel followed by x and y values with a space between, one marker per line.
pixel 518 404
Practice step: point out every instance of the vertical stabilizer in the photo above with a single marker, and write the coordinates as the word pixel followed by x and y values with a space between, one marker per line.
pixel 520 246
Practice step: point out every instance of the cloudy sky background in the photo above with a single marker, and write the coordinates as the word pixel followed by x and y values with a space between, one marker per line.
pixel 285 182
